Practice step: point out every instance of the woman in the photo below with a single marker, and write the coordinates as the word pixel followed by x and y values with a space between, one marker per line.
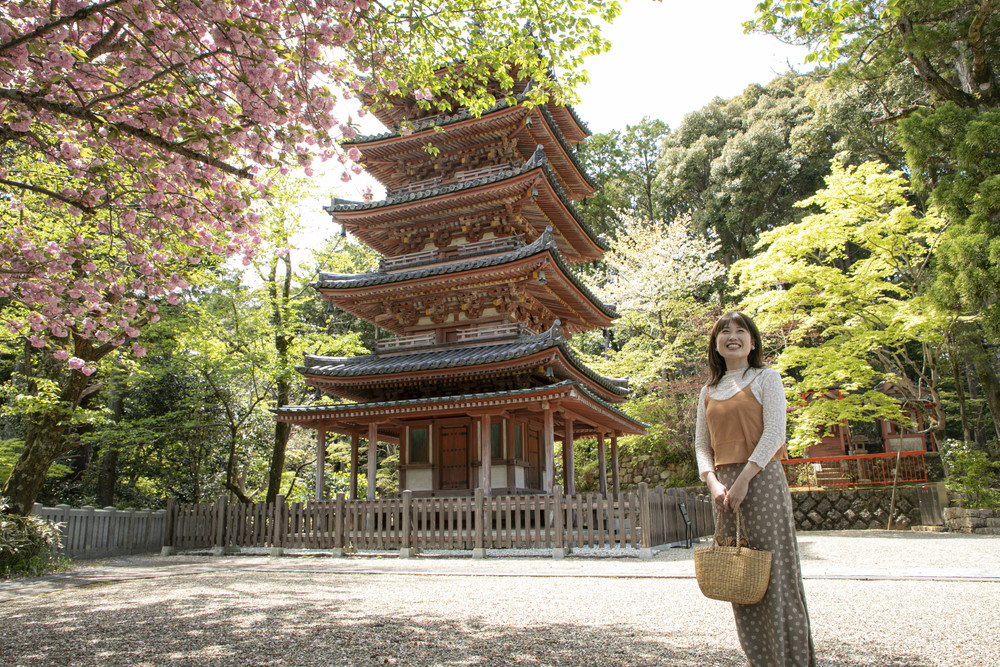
pixel 739 442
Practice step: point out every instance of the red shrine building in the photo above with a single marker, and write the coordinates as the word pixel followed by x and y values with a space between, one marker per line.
pixel 477 238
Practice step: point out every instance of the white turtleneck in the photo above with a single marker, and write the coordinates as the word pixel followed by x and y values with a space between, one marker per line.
pixel 765 384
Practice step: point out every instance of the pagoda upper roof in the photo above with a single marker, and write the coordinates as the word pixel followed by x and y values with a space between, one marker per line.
pixel 460 130
pixel 577 306
pixel 371 222
pixel 547 348
pixel 354 417
pixel 396 110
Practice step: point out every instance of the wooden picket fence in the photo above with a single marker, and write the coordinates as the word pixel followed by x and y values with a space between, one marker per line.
pixel 643 519
pixel 90 532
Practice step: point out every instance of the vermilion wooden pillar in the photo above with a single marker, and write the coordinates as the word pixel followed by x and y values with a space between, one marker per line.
pixel 485 456
pixel 602 464
pixel 354 466
pixel 549 436
pixel 372 458
pixel 615 487
pixel 569 471
pixel 320 464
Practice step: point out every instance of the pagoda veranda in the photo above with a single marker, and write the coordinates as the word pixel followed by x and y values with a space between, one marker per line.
pixel 477 237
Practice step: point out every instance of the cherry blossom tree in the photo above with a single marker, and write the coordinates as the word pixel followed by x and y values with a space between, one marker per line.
pixel 135 135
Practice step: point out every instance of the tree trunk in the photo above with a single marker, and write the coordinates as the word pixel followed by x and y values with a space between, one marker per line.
pixel 107 478
pixel 279 291
pixel 281 432
pixel 44 441
pixel 971 337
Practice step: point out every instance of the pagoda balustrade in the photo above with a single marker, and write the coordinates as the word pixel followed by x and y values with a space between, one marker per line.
pixel 491 332
pixel 481 334
pixel 487 247
pixel 457 177
pixel 426 339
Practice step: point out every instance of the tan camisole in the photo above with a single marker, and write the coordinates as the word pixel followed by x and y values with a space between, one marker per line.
pixel 735 426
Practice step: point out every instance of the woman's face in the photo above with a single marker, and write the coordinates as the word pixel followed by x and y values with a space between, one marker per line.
pixel 734 343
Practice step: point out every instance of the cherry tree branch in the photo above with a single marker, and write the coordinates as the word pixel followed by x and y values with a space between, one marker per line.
pixel 48 193
pixel 38 103
pixel 43 30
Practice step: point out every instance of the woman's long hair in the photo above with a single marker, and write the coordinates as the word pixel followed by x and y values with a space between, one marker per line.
pixel 715 361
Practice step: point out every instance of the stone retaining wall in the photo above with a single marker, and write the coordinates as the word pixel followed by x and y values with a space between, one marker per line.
pixel 855 509
pixel 978 522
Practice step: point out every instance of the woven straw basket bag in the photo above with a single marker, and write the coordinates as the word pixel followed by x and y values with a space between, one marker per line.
pixel 733 574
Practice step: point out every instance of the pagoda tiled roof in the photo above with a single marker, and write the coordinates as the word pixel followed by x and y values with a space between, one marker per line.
pixel 457 357
pixel 537 161
pixel 444 120
pixel 544 243
pixel 330 411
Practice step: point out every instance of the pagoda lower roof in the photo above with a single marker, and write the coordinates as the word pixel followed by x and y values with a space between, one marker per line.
pixel 382 152
pixel 557 292
pixel 533 186
pixel 353 418
pixel 344 375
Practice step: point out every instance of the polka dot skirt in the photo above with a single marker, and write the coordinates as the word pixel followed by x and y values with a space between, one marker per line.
pixel 775 631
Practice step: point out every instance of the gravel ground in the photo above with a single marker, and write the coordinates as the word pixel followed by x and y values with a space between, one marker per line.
pixel 575 612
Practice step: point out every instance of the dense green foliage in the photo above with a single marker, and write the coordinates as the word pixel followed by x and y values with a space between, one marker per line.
pixel 26 544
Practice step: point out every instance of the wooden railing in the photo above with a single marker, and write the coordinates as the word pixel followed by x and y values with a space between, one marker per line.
pixel 491 331
pixel 643 519
pixel 861 470
pixel 406 342
pixel 90 532
pixel 457 177
pixel 486 247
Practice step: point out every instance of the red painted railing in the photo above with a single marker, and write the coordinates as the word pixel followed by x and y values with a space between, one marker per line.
pixel 863 470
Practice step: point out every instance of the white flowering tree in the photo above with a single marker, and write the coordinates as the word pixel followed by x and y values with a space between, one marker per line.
pixel 659 276
pixel 135 135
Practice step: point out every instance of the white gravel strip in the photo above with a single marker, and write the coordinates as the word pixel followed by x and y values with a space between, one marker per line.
pixel 251 610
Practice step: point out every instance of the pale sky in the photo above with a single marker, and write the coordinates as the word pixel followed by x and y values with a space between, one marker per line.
pixel 672 57
pixel 667 59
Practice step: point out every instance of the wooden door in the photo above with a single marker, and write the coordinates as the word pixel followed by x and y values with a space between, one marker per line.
pixel 533 454
pixel 454 445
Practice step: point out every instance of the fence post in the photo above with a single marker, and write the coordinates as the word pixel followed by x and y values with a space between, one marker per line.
pixel 407 550
pixel 110 532
pixel 278 527
pixel 558 523
pixel 479 551
pixel 339 525
pixel 645 523
pixel 169 540
pixel 219 524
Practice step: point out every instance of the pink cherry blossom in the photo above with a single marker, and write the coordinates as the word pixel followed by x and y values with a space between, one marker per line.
pixel 76 363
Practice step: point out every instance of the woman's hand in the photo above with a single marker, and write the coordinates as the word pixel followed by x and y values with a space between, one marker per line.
pixel 737 493
pixel 717 489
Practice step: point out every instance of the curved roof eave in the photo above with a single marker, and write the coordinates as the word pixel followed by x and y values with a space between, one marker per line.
pixel 346 206
pixel 544 243
pixel 473 355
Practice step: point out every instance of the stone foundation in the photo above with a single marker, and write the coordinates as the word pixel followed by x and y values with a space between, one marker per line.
pixel 977 522
pixel 855 509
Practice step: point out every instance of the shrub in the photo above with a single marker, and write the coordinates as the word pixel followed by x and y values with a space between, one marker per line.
pixel 971 472
pixel 27 544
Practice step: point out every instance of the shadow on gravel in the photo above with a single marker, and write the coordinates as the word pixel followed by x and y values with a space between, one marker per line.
pixel 226 626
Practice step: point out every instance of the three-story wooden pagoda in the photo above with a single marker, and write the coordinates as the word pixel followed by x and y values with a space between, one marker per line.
pixel 477 238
